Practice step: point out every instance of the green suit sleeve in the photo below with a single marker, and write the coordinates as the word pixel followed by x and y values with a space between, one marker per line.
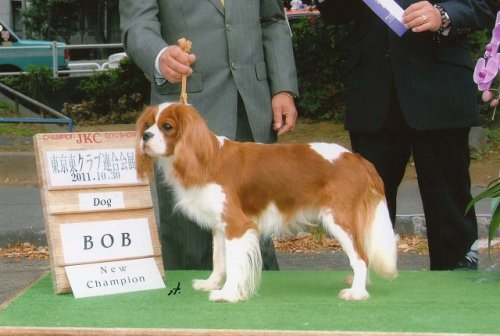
pixel 141 33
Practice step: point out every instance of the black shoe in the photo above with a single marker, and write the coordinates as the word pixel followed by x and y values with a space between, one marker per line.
pixel 469 262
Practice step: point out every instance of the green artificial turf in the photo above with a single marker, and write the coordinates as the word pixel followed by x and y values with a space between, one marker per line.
pixel 423 301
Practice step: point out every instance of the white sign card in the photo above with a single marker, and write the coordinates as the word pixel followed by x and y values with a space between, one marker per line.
pixel 72 168
pixel 101 201
pixel 106 240
pixel 114 277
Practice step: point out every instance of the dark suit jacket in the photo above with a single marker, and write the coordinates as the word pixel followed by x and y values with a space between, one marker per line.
pixel 431 74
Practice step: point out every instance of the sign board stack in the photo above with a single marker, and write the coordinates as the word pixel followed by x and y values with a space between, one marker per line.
pixel 99 217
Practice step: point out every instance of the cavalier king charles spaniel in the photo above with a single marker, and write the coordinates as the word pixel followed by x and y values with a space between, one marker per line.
pixel 241 191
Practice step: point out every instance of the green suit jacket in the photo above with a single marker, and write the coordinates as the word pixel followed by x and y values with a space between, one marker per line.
pixel 244 46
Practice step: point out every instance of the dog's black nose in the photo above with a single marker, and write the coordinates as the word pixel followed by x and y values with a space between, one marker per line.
pixel 147 135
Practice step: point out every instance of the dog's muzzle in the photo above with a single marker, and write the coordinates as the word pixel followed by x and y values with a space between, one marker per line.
pixel 147 135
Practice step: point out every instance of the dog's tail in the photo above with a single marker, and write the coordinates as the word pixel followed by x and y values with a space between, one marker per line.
pixel 380 243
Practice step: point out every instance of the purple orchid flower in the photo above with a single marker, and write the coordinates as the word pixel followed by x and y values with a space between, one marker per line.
pixel 485 71
pixel 492 48
pixel 487 67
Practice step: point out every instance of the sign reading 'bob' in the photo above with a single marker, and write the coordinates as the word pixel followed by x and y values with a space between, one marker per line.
pixel 99 217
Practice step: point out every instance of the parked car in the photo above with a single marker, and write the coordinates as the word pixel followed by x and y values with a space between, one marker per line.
pixel 113 61
pixel 17 59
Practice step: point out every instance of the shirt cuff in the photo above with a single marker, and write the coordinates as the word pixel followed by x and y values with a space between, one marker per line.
pixel 445 32
pixel 159 80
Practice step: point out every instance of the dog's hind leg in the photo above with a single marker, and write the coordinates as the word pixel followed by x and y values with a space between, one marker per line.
pixel 216 279
pixel 358 288
pixel 243 268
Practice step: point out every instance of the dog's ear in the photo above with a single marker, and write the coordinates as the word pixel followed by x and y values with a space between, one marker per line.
pixel 196 146
pixel 144 163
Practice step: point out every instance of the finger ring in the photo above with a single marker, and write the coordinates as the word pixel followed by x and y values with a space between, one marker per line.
pixel 424 17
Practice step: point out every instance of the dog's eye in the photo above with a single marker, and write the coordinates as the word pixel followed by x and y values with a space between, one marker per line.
pixel 167 127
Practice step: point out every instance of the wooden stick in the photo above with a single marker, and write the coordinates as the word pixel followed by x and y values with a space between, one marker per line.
pixel 185 46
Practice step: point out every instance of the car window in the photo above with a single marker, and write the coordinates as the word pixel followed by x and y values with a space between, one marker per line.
pixel 6 36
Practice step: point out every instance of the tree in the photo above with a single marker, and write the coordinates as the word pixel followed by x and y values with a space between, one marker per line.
pixel 51 19
pixel 60 19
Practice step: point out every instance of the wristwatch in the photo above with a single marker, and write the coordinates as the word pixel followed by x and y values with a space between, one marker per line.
pixel 445 20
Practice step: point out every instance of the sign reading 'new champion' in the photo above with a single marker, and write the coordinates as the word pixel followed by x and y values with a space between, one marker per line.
pixel 99 217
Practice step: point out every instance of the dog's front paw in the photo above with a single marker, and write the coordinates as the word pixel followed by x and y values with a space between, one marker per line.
pixel 205 285
pixel 224 296
pixel 350 294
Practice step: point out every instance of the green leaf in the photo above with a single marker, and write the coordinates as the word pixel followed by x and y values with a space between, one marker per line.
pixel 495 221
pixel 493 190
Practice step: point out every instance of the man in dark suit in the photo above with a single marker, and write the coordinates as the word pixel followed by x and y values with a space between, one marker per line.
pixel 242 79
pixel 414 95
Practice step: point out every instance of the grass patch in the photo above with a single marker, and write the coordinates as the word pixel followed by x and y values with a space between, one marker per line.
pixel 415 302
pixel 7 110
pixel 23 130
pixel 307 130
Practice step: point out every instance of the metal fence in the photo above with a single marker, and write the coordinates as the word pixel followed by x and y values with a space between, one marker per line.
pixel 57 117
pixel 77 68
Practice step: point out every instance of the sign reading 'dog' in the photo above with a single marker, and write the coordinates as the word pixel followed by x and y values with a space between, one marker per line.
pixel 99 218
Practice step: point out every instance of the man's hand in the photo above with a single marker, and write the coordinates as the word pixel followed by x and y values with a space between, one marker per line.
pixel 422 16
pixel 174 63
pixel 285 113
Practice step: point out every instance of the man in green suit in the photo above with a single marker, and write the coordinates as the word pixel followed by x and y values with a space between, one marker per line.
pixel 414 95
pixel 242 79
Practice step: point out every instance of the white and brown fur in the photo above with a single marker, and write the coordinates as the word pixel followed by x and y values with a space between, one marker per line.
pixel 240 191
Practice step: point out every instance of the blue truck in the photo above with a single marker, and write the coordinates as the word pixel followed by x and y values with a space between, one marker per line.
pixel 17 54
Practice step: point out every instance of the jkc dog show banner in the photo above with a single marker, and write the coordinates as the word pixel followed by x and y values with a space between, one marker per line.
pixel 99 218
